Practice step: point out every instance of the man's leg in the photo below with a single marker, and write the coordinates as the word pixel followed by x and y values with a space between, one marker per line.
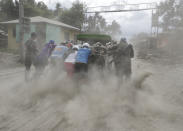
pixel 28 64
pixel 76 68
pixel 85 68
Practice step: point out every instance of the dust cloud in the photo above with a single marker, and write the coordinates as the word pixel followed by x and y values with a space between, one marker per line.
pixel 101 103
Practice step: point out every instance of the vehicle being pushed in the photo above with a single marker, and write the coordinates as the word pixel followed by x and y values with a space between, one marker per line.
pixel 94 38
pixel 98 46
pixel 57 55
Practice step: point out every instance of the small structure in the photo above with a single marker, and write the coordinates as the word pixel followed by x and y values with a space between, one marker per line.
pixel 46 29
pixel 3 39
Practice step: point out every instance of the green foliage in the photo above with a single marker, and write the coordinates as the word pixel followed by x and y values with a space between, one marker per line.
pixel 9 9
pixel 98 24
pixel 114 28
pixel 31 8
pixel 58 10
pixel 171 13
pixel 74 16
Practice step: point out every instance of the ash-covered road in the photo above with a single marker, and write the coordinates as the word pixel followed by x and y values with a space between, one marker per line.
pixel 55 104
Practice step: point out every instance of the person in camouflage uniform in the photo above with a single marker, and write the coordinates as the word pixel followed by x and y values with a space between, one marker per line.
pixel 99 52
pixel 122 59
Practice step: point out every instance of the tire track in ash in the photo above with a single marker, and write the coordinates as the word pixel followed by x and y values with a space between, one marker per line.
pixel 4 74
pixel 37 118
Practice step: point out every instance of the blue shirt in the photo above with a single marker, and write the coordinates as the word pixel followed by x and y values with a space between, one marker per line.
pixel 59 51
pixel 82 55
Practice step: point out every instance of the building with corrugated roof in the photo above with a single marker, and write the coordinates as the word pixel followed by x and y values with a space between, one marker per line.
pixel 46 29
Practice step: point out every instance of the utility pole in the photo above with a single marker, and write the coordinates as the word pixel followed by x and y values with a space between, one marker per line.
pixel 21 32
pixel 157 22
pixel 152 23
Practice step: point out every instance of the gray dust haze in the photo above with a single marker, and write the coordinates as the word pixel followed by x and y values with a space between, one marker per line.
pixel 55 103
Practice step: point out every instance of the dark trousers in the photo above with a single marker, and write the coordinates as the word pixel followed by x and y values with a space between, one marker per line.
pixel 81 68
pixel 123 69
pixel 28 62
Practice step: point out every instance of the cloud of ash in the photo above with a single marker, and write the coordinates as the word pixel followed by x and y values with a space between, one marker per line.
pixel 102 103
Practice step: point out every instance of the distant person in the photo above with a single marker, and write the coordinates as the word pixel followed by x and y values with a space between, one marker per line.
pixel 82 59
pixel 31 52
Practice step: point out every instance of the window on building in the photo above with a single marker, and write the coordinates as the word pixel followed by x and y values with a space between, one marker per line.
pixel 67 36
pixel 14 32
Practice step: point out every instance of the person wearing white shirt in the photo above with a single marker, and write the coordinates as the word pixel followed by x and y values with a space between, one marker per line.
pixel 70 61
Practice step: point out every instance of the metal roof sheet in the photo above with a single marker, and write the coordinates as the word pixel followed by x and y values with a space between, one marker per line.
pixel 39 19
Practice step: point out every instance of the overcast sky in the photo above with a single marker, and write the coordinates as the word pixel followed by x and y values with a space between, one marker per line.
pixel 131 22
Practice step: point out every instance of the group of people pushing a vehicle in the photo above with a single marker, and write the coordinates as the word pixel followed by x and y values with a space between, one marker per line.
pixel 77 58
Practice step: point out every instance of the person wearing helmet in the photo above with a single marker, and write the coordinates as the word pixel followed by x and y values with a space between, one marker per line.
pixel 70 61
pixel 82 58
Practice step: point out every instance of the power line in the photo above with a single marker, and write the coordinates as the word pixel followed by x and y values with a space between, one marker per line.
pixel 132 10
pixel 122 8
pixel 154 3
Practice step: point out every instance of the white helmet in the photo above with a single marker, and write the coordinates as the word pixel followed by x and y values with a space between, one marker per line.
pixel 75 47
pixel 86 45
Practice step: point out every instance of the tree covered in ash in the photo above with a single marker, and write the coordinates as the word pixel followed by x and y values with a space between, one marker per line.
pixel 98 24
pixel 9 9
pixel 75 16
pixel 171 22
pixel 171 15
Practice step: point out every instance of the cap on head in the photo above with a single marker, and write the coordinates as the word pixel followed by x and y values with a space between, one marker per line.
pixel 52 42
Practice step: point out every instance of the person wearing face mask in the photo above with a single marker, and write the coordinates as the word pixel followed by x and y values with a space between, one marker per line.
pixel 31 52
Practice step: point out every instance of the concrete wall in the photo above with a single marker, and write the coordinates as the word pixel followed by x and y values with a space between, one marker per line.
pixel 72 34
pixel 13 41
pixel 58 33
pixel 46 32
pixel 39 28
pixel 12 44
pixel 53 32
pixel 26 35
